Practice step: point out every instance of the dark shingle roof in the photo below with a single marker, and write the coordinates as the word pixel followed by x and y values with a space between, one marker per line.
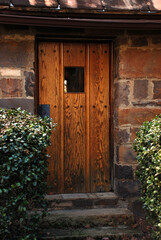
pixel 106 5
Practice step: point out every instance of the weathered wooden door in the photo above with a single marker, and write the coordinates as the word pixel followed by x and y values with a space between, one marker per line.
pixel 74 87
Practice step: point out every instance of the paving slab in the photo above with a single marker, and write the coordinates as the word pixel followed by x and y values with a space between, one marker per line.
pixel 53 197
pixel 91 212
pixel 106 195
pixel 97 233
pixel 75 196
pixel 81 196
pixel 77 218
pixel 92 195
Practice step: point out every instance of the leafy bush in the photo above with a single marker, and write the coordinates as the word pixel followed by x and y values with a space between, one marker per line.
pixel 148 148
pixel 23 172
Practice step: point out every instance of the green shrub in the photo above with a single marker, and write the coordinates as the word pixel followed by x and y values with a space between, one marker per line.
pixel 148 148
pixel 23 172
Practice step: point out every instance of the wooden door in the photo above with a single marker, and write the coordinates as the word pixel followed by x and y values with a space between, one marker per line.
pixel 74 87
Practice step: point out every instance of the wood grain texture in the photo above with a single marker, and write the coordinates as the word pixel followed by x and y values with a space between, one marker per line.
pixel 79 152
pixel 88 172
pixel 99 117
pixel 74 54
pixel 111 118
pixel 49 93
pixel 61 77
pixel 74 143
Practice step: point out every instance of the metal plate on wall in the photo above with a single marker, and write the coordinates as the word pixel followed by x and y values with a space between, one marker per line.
pixel 44 110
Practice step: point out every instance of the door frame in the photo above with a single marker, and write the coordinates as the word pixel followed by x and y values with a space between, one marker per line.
pixel 111 58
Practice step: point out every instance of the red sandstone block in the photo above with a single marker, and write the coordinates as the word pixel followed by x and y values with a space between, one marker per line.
pixel 126 155
pixel 122 92
pixel 29 83
pixel 133 132
pixel 139 63
pixel 121 136
pixel 24 103
pixel 140 41
pixel 136 116
pixel 157 90
pixel 16 54
pixel 156 39
pixel 123 172
pixel 140 89
pixel 128 188
pixel 11 87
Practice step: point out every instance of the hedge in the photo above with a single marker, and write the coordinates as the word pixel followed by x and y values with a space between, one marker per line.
pixel 148 148
pixel 23 172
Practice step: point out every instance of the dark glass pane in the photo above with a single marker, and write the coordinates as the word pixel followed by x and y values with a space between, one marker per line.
pixel 74 79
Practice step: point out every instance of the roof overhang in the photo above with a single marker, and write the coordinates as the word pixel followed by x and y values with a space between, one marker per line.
pixel 114 22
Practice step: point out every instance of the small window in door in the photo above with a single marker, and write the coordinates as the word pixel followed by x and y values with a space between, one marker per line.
pixel 73 79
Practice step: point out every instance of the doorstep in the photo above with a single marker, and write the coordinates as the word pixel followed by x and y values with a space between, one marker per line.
pixel 83 200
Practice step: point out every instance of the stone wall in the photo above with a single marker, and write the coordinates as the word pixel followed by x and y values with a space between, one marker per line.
pixel 17 67
pixel 137 97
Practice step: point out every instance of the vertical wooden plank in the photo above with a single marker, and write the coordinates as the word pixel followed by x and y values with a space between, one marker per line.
pixel 111 119
pixel 74 126
pixel 99 117
pixel 87 187
pixel 74 54
pixel 74 143
pixel 61 179
pixel 49 93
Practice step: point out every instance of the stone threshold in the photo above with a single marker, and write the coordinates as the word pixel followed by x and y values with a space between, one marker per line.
pixel 82 200
pixel 73 196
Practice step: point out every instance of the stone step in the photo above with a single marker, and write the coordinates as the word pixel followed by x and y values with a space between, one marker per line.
pixel 99 233
pixel 82 200
pixel 77 218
